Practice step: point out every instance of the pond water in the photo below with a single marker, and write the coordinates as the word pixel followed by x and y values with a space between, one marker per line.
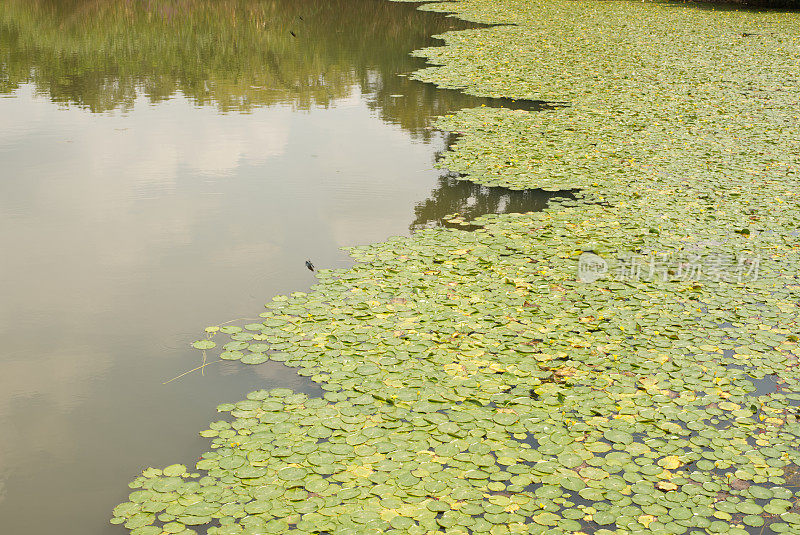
pixel 165 166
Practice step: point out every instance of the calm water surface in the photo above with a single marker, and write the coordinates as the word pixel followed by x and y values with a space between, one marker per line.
pixel 169 165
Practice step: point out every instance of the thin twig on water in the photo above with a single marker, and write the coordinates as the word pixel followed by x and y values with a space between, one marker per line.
pixel 190 371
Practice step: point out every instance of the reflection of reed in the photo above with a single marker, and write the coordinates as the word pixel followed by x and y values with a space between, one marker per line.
pixel 233 54
pixel 272 61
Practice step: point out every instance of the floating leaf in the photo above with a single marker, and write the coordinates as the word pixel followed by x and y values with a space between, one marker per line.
pixel 175 470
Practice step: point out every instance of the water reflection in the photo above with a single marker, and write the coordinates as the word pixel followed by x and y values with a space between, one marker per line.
pixel 455 196
pixel 236 55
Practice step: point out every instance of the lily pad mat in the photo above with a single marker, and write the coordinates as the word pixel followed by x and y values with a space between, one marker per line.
pixel 655 89
pixel 474 385
pixel 448 355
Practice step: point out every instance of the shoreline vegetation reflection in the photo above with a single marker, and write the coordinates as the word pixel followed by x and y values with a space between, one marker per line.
pixel 234 55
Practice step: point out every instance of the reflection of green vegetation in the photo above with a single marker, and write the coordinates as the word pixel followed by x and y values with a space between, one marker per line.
pixel 235 54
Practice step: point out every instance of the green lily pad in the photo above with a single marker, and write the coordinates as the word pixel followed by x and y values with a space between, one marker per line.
pixel 291 473
pixel 175 470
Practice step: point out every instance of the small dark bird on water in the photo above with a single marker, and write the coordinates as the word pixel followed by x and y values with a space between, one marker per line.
pixel 309 265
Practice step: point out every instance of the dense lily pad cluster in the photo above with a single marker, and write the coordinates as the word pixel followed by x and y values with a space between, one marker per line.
pixel 475 382
pixel 475 385
pixel 654 89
